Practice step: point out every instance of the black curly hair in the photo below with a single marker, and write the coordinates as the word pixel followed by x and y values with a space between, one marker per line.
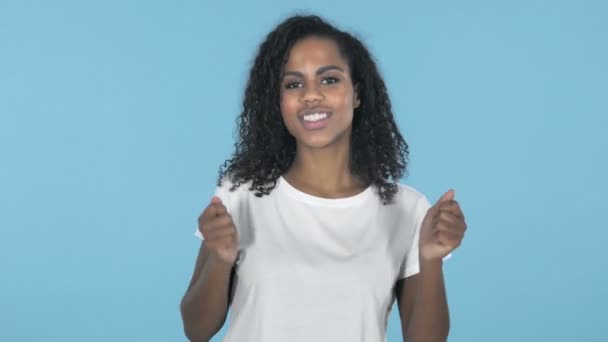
pixel 265 149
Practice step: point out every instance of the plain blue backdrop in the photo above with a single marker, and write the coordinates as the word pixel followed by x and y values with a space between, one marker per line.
pixel 115 115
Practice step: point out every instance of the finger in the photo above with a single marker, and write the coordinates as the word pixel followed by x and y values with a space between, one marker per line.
pixel 449 217
pixel 207 214
pixel 219 207
pixel 214 224
pixel 220 233
pixel 218 222
pixel 231 239
pixel 448 239
pixel 457 228
pixel 215 208
pixel 451 206
pixel 448 196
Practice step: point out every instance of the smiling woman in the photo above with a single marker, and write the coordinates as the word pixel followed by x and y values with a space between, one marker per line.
pixel 310 237
pixel 318 96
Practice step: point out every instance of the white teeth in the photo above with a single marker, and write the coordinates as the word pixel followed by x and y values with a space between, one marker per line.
pixel 315 117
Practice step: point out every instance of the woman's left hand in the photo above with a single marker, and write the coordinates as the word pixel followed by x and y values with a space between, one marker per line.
pixel 442 229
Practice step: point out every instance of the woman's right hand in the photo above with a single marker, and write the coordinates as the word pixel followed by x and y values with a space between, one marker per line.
pixel 221 238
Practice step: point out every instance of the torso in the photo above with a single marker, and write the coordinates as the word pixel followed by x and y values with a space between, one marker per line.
pixel 317 269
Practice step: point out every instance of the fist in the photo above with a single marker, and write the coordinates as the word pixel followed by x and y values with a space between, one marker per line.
pixel 442 229
pixel 216 226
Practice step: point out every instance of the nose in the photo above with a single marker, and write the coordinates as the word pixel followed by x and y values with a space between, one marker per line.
pixel 312 95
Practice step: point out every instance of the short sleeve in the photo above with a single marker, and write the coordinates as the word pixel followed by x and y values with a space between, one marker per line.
pixel 411 265
pixel 228 199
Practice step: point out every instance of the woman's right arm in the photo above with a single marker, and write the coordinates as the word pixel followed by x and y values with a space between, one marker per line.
pixel 205 305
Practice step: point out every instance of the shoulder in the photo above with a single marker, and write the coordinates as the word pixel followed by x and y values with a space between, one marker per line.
pixel 232 193
pixel 413 201
pixel 228 185
pixel 406 194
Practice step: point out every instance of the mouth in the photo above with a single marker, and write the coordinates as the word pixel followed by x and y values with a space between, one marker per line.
pixel 315 119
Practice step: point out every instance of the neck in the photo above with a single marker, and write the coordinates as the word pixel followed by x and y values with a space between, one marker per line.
pixel 324 172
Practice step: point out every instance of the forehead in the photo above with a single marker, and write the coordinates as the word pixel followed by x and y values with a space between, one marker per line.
pixel 314 51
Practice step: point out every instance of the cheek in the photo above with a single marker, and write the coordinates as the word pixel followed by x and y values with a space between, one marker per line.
pixel 347 102
pixel 288 104
pixel 289 110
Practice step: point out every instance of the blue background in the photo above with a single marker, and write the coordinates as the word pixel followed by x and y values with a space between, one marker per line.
pixel 115 115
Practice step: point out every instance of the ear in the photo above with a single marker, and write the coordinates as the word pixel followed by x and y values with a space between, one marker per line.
pixel 356 96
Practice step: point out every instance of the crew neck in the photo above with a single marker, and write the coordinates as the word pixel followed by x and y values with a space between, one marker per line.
pixel 283 185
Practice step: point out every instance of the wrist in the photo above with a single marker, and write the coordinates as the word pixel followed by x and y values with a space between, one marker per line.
pixel 433 264
pixel 218 262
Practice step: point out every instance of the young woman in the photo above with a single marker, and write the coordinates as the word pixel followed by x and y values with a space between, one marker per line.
pixel 310 237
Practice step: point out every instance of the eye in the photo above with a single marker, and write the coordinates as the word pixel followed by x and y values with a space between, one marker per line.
pixel 293 85
pixel 330 80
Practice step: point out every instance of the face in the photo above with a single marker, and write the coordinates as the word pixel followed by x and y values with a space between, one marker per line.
pixel 317 94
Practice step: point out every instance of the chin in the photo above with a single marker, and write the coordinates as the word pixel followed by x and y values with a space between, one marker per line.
pixel 319 142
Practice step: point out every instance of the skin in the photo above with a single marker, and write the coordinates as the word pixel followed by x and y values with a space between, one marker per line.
pixel 204 307
pixel 317 78
pixel 421 298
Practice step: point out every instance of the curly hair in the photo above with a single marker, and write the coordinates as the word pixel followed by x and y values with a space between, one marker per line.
pixel 265 149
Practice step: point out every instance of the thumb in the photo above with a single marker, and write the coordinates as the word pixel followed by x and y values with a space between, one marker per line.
pixel 218 207
pixel 448 196
pixel 216 200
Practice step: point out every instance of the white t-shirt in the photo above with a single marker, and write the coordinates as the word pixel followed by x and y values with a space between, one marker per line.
pixel 317 269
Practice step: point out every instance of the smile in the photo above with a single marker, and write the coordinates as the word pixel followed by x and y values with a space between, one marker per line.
pixel 314 121
pixel 314 117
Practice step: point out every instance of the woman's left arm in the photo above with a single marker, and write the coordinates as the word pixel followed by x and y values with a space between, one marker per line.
pixel 422 297
pixel 423 305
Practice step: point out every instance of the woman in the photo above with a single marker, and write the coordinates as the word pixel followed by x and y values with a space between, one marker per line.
pixel 309 236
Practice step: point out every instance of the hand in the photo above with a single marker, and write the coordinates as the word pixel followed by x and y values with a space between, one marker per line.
pixel 221 238
pixel 442 229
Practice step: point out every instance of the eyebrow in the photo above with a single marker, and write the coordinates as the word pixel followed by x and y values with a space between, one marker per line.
pixel 319 71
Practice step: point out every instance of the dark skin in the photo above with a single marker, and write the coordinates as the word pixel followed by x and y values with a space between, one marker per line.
pixel 317 80
pixel 421 298
pixel 205 305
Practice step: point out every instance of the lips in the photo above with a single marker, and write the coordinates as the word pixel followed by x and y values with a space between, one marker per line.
pixel 315 118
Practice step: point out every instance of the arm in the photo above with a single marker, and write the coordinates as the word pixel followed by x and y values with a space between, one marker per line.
pixel 205 305
pixel 422 297
pixel 423 305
